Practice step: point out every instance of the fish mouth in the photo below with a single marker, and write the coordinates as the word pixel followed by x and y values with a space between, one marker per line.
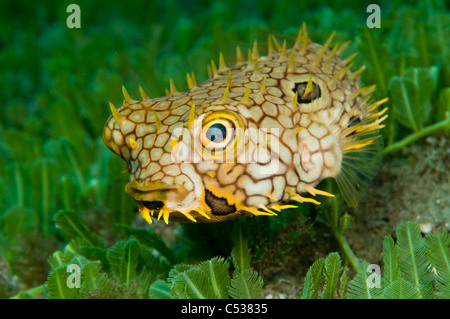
pixel 153 205
pixel 155 194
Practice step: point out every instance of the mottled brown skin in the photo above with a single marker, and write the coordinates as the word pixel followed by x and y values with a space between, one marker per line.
pixel 309 138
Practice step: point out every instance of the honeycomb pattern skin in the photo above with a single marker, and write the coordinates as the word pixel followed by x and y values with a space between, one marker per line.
pixel 285 140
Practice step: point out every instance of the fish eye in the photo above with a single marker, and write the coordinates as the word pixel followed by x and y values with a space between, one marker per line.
pixel 216 133
pixel 311 96
pixel 219 135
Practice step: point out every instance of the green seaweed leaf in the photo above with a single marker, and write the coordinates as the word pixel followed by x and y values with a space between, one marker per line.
pixel 192 284
pixel 17 220
pixel 210 279
pixel 438 250
pixel 16 177
pixel 118 201
pixel 93 277
pixel 66 193
pixel 71 158
pixel 413 261
pixel 332 271
pixel 64 256
pixel 363 286
pixel 123 258
pixel 246 284
pixel 411 94
pixel 443 112
pixel 43 173
pixel 405 101
pixel 56 285
pixel 160 289
pixel 401 289
pixel 178 269
pixel 343 283
pixel 390 259
pixel 152 240
pixel 240 253
pixel 151 267
pixel 217 271
pixel 71 224
pixel 378 55
pixel 313 280
pixel 64 120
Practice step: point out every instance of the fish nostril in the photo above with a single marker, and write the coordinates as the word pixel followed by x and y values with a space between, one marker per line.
pixel 153 205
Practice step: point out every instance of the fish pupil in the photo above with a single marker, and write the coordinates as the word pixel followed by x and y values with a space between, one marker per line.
pixel 216 133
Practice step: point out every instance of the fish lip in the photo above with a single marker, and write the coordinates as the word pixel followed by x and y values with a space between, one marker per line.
pixel 153 191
